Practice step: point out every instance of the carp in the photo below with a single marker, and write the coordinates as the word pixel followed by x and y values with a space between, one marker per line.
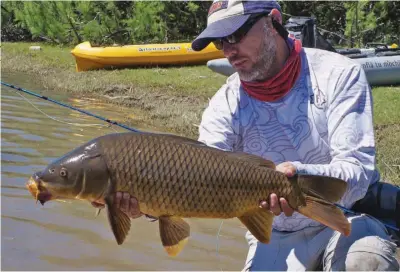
pixel 174 177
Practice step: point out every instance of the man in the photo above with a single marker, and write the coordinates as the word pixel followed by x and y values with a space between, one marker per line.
pixel 310 112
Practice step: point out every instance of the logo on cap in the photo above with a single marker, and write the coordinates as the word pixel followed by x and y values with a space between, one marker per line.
pixel 217 5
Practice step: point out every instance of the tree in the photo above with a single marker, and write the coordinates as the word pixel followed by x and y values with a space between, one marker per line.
pixel 360 21
pixel 103 22
pixel 147 24
pixel 51 20
pixel 138 22
pixel 11 31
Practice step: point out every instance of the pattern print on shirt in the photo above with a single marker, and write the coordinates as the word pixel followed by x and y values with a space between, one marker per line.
pixel 324 129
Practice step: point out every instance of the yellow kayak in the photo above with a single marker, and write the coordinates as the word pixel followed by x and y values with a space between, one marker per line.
pixel 89 58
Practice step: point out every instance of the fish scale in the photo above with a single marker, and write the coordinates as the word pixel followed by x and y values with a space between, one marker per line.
pixel 185 175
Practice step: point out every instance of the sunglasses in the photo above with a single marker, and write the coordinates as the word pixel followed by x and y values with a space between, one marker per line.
pixel 239 34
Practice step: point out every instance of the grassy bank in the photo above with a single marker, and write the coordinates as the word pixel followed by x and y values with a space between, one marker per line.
pixel 174 98
pixel 169 98
pixel 387 131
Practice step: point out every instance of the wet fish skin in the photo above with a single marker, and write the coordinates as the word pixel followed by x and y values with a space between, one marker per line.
pixel 175 177
pixel 80 174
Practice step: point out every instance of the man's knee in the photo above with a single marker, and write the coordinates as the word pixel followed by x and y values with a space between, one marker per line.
pixel 364 261
pixel 368 247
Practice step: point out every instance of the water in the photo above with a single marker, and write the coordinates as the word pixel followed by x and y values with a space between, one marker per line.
pixel 67 235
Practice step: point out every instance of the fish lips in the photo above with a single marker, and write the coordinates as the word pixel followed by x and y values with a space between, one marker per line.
pixel 39 192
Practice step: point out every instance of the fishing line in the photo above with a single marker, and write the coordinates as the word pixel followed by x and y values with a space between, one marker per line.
pixel 111 122
pixel 217 245
pixel 58 120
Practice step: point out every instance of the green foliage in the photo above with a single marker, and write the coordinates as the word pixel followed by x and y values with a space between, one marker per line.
pixel 148 22
pixel 370 21
pixel 360 19
pixel 354 22
pixel 387 22
pixel 102 22
pixel 133 22
pixel 108 22
pixel 11 31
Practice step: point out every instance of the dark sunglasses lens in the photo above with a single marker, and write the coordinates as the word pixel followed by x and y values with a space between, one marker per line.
pixel 218 44
pixel 238 35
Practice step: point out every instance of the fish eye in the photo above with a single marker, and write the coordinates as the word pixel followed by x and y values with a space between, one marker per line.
pixel 51 171
pixel 63 172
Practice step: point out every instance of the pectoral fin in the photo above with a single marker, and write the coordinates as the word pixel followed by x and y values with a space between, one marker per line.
pixel 174 232
pixel 259 223
pixel 120 223
pixel 98 207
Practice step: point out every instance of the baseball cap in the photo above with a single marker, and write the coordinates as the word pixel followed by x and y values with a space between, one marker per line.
pixel 225 17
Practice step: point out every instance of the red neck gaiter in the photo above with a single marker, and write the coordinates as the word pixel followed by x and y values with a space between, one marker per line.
pixel 278 86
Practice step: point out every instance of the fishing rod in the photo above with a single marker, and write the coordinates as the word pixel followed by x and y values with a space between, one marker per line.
pixel 69 106
pixel 128 128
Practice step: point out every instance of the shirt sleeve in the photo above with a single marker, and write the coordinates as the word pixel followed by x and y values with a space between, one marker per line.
pixel 217 127
pixel 351 136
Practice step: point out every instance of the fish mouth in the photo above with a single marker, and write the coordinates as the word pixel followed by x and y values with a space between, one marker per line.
pixel 39 192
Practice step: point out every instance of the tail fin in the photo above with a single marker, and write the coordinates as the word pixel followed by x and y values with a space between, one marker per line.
pixel 320 194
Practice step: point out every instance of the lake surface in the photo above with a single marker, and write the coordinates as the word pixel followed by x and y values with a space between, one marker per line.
pixel 66 235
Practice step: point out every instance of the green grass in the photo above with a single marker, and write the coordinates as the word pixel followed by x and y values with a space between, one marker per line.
pixel 174 98
pixel 188 80
pixel 386 105
pixel 387 131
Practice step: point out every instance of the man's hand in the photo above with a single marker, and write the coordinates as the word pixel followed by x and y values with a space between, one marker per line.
pixel 125 203
pixel 278 206
pixel 287 168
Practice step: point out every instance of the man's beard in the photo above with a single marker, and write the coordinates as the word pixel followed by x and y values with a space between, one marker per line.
pixel 262 69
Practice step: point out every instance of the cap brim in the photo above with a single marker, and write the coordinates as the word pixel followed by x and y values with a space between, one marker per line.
pixel 218 29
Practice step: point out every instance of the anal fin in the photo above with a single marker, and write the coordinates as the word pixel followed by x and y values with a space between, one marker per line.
pixel 259 223
pixel 120 222
pixel 174 233
pixel 326 213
